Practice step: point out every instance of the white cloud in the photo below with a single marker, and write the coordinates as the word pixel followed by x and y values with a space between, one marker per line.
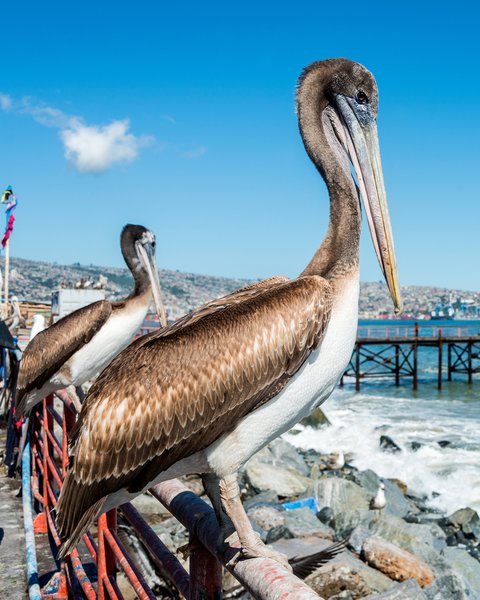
pixel 96 148
pixel 5 102
pixel 195 153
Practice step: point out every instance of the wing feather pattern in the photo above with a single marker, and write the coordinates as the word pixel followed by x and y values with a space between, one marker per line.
pixel 175 393
pixel 51 348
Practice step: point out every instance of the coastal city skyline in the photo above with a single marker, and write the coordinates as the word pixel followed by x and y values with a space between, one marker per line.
pixel 191 130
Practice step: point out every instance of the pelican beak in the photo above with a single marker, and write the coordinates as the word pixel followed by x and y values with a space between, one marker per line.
pixel 361 141
pixel 147 254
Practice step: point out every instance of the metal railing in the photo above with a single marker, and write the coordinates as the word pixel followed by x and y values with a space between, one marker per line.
pixel 417 330
pixel 90 570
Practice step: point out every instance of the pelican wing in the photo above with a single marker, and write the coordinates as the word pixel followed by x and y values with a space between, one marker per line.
pixel 179 391
pixel 51 348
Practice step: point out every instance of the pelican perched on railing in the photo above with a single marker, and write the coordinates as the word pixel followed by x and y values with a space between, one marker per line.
pixel 80 345
pixel 208 392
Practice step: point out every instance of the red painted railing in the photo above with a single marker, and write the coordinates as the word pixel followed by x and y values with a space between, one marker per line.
pixel 90 570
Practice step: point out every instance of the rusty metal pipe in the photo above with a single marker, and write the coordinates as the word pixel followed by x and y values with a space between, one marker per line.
pixel 262 577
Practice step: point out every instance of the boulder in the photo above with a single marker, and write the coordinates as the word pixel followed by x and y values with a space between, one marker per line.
pixel 388 445
pixel 447 586
pixel 266 498
pixel 266 517
pixel 346 573
pixel 299 547
pixel 317 418
pixel 302 522
pixel 267 471
pixel 340 494
pixel 397 504
pixel 466 568
pixel 394 562
pixel 425 541
pixel 467 520
pixel 408 590
pixel 287 455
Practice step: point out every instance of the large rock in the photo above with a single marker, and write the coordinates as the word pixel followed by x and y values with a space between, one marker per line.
pixel 448 586
pixel 302 522
pixel 298 547
pixel 465 567
pixel 273 468
pixel 408 590
pixel 346 573
pixel 287 455
pixel 396 563
pixel 467 520
pixel 425 541
pixel 397 504
pixel 266 517
pixel 317 418
pixel 340 494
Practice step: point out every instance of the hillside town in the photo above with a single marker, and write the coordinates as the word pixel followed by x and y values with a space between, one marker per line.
pixel 34 281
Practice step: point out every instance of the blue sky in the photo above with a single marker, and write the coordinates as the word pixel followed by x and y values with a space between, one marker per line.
pixel 180 116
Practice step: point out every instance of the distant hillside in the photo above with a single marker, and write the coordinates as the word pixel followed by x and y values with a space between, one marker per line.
pixel 34 281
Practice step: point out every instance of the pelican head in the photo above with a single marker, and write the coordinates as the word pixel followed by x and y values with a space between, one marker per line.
pixel 348 109
pixel 138 247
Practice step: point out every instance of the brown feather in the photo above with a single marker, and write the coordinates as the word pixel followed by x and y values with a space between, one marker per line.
pixel 50 349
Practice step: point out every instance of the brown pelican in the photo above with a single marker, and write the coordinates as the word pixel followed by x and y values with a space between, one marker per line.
pixel 208 392
pixel 81 344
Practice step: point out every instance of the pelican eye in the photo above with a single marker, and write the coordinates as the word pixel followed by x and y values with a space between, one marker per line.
pixel 361 97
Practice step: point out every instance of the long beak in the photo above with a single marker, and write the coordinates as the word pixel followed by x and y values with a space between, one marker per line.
pixel 364 153
pixel 152 270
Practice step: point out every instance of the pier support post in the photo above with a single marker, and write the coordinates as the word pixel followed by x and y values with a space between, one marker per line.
pixel 440 359
pixel 470 371
pixel 449 367
pixel 415 366
pixel 205 573
pixel 397 365
pixel 357 369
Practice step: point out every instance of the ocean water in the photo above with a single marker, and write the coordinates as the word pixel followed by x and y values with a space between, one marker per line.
pixel 449 476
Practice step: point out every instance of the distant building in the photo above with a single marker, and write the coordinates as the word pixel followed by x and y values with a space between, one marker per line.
pixel 66 300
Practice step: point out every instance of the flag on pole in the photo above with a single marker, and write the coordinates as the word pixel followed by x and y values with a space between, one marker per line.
pixel 11 202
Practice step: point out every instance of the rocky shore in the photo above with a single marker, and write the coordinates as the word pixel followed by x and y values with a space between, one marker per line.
pixel 404 551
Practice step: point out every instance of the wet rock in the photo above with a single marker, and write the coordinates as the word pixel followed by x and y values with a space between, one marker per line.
pixel 397 504
pixel 278 533
pixel 316 418
pixel 346 521
pixel 266 517
pixel 466 567
pixel 414 446
pixel 425 541
pixel 402 486
pixel 340 493
pixel 326 516
pixel 266 498
pixel 467 520
pixel 448 586
pixel 394 562
pixel 388 445
pixel 269 470
pixel 302 522
pixel 408 590
pixel 346 573
pixel 288 455
pixel 444 443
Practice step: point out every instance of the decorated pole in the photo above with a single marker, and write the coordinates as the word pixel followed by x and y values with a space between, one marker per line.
pixel 10 201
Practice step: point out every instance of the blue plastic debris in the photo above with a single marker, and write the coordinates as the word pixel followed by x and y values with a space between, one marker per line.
pixel 310 503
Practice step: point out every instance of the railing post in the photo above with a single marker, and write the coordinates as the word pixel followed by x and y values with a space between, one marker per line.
pixel 205 573
pixel 105 556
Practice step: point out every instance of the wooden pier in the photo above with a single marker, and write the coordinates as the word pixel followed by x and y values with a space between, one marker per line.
pixel 383 351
